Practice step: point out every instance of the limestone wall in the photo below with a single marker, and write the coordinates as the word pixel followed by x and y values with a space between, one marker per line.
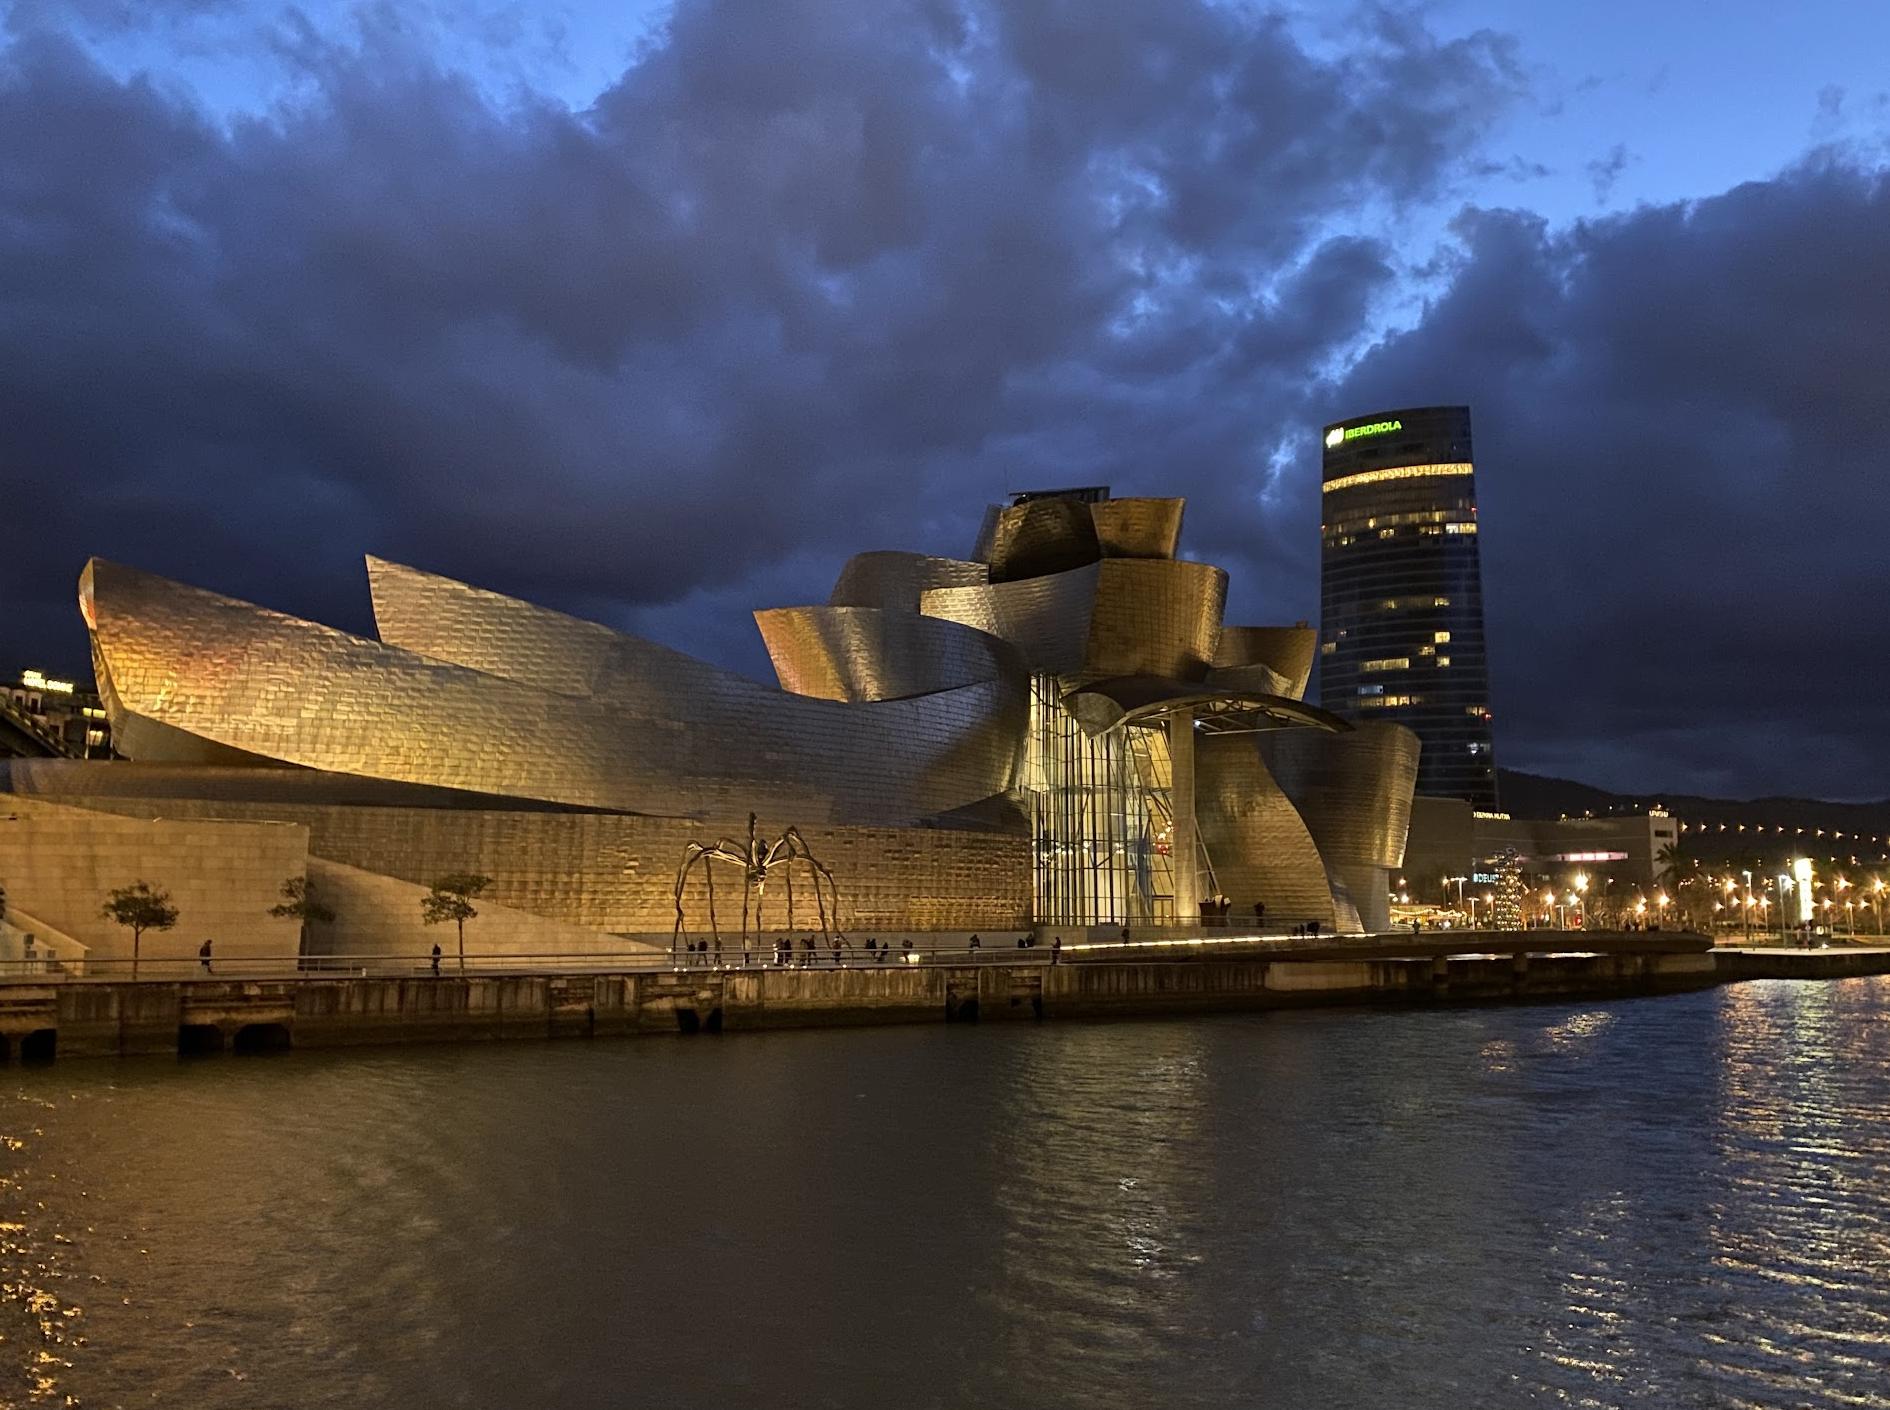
pixel 58 864
pixel 615 873
pixel 380 915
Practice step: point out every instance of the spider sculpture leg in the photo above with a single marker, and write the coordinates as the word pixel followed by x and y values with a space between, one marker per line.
pixel 798 847
pixel 692 854
pixel 723 851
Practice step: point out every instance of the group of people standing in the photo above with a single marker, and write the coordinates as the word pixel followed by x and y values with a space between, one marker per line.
pixel 809 955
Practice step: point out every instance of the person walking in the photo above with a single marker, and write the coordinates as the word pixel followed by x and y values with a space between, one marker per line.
pixel 975 945
pixel 436 961
pixel 203 956
pixel 1056 948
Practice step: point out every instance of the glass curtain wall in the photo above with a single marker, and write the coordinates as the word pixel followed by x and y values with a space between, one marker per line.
pixel 1099 818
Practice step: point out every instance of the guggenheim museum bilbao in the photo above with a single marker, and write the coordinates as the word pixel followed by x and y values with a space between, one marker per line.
pixel 1058 731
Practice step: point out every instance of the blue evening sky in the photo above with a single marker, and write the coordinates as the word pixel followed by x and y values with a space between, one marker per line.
pixel 1630 102
pixel 1702 95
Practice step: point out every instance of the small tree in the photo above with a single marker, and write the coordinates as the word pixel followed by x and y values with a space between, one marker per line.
pixel 140 907
pixel 299 903
pixel 452 899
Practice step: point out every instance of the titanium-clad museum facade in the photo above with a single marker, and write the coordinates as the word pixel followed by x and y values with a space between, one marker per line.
pixel 1058 730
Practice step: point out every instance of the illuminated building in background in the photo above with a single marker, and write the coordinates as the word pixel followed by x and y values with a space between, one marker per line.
pixel 1401 635
pixel 47 716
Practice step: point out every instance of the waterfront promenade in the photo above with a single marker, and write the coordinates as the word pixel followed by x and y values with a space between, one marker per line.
pixel 189 1010
pixel 178 1007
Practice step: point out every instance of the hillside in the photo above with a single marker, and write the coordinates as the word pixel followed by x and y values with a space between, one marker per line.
pixel 1534 796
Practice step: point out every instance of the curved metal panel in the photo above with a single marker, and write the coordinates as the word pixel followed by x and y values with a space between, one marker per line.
pixel 894 581
pixel 1117 617
pixel 1039 537
pixel 862 653
pixel 453 622
pixel 1362 897
pixel 1287 651
pixel 1047 619
pixel 1353 789
pixel 1259 845
pixel 1263 679
pixel 1154 618
pixel 658 732
pixel 1138 528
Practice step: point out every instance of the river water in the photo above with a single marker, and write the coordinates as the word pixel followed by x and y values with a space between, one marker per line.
pixel 1659 1202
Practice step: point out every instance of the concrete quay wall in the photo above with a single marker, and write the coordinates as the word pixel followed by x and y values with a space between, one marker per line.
pixel 1791 962
pixel 104 1018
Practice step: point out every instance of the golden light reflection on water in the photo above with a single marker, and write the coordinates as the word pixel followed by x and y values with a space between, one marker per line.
pixel 42 1316
pixel 1674 1204
pixel 1094 1192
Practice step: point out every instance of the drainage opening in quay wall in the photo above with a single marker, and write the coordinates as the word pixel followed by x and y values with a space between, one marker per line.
pixel 208 1039
pixel 34 1046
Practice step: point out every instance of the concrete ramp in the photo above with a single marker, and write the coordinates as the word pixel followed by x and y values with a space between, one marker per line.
pixel 380 916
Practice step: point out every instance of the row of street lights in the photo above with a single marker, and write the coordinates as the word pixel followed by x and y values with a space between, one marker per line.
pixel 1804 897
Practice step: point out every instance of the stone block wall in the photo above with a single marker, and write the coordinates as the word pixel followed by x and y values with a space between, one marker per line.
pixel 616 873
pixel 380 916
pixel 58 864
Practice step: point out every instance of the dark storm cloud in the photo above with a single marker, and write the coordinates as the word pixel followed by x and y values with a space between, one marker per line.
pixel 810 277
pixel 1683 445
pixel 814 276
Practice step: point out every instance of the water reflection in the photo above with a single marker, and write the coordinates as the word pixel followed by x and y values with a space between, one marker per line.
pixel 1102 1200
pixel 1683 1202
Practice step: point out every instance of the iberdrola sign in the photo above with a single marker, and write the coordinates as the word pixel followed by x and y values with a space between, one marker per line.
pixel 1339 435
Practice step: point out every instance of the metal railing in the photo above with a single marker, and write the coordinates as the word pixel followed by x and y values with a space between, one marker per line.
pixel 731 957
pixel 183 969
pixel 1078 948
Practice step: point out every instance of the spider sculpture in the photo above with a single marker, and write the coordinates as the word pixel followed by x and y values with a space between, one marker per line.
pixel 757 860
